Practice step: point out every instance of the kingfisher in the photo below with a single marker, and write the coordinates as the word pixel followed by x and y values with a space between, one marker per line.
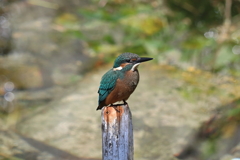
pixel 120 81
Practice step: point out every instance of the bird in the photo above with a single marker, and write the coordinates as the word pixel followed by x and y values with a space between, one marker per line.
pixel 120 81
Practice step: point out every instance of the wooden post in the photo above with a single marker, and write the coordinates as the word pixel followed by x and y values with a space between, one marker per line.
pixel 117 133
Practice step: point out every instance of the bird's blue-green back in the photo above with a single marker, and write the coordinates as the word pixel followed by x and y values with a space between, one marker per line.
pixel 109 80
pixel 107 84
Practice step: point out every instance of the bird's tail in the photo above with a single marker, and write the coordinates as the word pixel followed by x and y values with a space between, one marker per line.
pixel 99 107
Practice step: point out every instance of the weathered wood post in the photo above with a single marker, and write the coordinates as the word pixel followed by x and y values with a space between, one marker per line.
pixel 117 133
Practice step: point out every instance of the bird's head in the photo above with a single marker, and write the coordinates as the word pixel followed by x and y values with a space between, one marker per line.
pixel 129 60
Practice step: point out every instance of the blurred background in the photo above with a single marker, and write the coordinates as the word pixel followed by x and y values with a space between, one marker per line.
pixel 54 52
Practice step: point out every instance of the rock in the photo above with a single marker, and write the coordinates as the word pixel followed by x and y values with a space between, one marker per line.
pixel 58 58
pixel 24 75
pixel 5 30
pixel 160 117
pixel 11 144
pixel 217 137
pixel 15 147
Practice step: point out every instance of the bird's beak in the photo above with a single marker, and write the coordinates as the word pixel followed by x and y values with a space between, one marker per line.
pixel 143 59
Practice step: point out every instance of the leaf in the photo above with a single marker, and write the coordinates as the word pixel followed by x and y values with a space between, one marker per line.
pixel 225 56
pixel 151 47
pixel 66 18
pixel 144 23
pixel 108 48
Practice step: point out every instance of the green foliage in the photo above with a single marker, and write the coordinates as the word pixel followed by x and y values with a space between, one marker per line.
pixel 225 56
pixel 234 112
pixel 154 28
pixel 202 13
pixel 209 148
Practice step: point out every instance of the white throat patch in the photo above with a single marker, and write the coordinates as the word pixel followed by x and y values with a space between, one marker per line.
pixel 118 68
pixel 135 66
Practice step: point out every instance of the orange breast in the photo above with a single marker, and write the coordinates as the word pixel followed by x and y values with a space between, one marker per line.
pixel 124 88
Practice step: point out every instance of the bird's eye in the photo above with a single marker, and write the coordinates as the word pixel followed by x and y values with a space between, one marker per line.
pixel 131 60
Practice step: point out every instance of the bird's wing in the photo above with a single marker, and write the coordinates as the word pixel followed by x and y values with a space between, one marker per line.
pixel 107 84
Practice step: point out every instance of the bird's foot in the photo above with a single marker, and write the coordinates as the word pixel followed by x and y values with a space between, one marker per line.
pixel 115 105
pixel 119 103
pixel 116 109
